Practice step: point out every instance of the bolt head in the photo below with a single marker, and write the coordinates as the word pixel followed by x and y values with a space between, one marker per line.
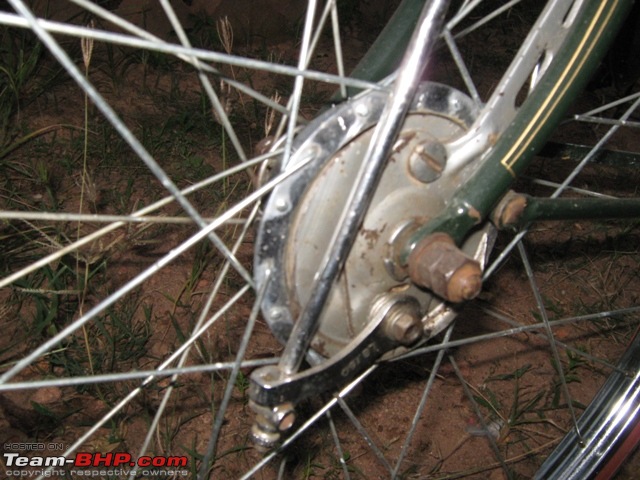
pixel 427 161
pixel 403 323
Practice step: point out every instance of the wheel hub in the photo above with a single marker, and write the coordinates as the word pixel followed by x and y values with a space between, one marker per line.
pixel 302 213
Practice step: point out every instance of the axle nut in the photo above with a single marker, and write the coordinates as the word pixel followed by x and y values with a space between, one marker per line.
pixel 438 264
pixel 403 324
pixel 466 283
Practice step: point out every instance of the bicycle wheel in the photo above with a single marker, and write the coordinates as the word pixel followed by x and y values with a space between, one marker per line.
pixel 147 329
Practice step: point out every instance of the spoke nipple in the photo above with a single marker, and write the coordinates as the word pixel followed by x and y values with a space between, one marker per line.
pixel 362 110
pixel 275 313
pixel 282 205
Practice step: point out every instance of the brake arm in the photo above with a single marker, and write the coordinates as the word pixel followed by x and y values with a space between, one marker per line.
pixel 395 321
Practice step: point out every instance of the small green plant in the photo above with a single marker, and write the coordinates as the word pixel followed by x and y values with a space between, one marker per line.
pixel 511 423
pixel 242 383
pixel 571 375
pixel 53 299
pixel 21 57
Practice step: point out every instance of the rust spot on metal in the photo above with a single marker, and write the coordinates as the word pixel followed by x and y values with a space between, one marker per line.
pixel 513 210
pixel 438 264
pixel 509 210
pixel 474 213
pixel 371 237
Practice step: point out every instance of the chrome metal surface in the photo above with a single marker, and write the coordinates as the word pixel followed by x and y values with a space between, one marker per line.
pixel 615 407
pixel 269 389
pixel 529 65
pixel 352 214
pixel 294 239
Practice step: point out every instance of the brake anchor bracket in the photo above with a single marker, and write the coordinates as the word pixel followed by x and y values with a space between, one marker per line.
pixel 395 322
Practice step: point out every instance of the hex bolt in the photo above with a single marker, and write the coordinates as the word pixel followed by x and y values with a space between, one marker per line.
pixel 438 264
pixel 402 322
pixel 427 161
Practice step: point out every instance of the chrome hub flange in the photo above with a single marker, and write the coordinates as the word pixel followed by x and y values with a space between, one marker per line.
pixel 301 215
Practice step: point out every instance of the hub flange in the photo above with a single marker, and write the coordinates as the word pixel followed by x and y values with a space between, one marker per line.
pixel 301 215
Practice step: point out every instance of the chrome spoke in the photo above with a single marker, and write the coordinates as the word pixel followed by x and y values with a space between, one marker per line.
pixel 422 404
pixel 550 337
pixel 203 55
pixel 481 418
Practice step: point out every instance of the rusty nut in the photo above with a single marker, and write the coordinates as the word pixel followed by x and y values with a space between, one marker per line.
pixel 438 264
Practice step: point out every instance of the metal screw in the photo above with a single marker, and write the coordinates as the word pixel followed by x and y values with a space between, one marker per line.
pixel 427 161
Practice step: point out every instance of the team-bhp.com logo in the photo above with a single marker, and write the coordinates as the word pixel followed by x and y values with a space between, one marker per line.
pixel 83 463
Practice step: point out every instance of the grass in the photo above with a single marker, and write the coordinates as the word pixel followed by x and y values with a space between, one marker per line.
pixel 90 178
pixel 22 57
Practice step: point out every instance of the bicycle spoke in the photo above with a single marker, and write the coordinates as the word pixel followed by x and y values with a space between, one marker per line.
pixel 422 404
pixel 550 337
pixel 203 55
pixel 336 442
pixel 605 138
pixel 483 423
pixel 215 431
pixel 365 435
